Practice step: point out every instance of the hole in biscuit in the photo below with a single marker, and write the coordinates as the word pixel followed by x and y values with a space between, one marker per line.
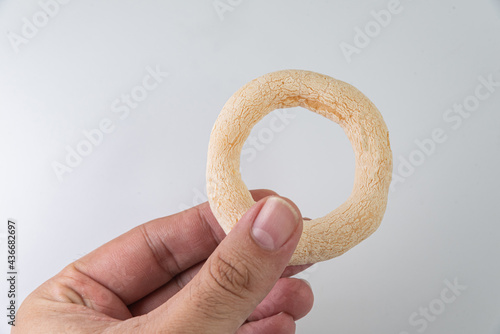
pixel 300 155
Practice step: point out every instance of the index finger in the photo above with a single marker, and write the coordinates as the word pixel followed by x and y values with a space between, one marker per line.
pixel 148 256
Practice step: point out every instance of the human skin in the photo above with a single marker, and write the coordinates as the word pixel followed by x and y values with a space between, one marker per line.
pixel 180 274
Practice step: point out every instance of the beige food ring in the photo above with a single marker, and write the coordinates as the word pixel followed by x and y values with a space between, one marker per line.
pixel 360 215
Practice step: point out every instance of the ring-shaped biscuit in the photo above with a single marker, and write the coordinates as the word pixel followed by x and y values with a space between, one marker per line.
pixel 354 220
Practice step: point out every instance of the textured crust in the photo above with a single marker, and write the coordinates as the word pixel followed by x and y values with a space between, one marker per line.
pixel 360 215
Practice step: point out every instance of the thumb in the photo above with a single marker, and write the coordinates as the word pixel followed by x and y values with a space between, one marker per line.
pixel 241 271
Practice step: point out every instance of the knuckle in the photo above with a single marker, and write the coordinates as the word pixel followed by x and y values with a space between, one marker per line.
pixel 231 274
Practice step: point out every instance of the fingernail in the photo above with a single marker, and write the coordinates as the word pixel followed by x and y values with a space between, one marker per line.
pixel 275 223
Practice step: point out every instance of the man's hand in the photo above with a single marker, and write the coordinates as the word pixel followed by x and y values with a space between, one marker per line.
pixel 181 274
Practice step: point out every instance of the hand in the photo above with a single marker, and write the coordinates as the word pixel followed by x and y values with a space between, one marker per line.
pixel 180 274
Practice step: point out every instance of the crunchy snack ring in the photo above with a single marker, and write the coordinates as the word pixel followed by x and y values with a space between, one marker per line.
pixel 360 215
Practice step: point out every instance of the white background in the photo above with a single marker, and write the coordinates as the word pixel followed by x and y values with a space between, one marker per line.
pixel 441 223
